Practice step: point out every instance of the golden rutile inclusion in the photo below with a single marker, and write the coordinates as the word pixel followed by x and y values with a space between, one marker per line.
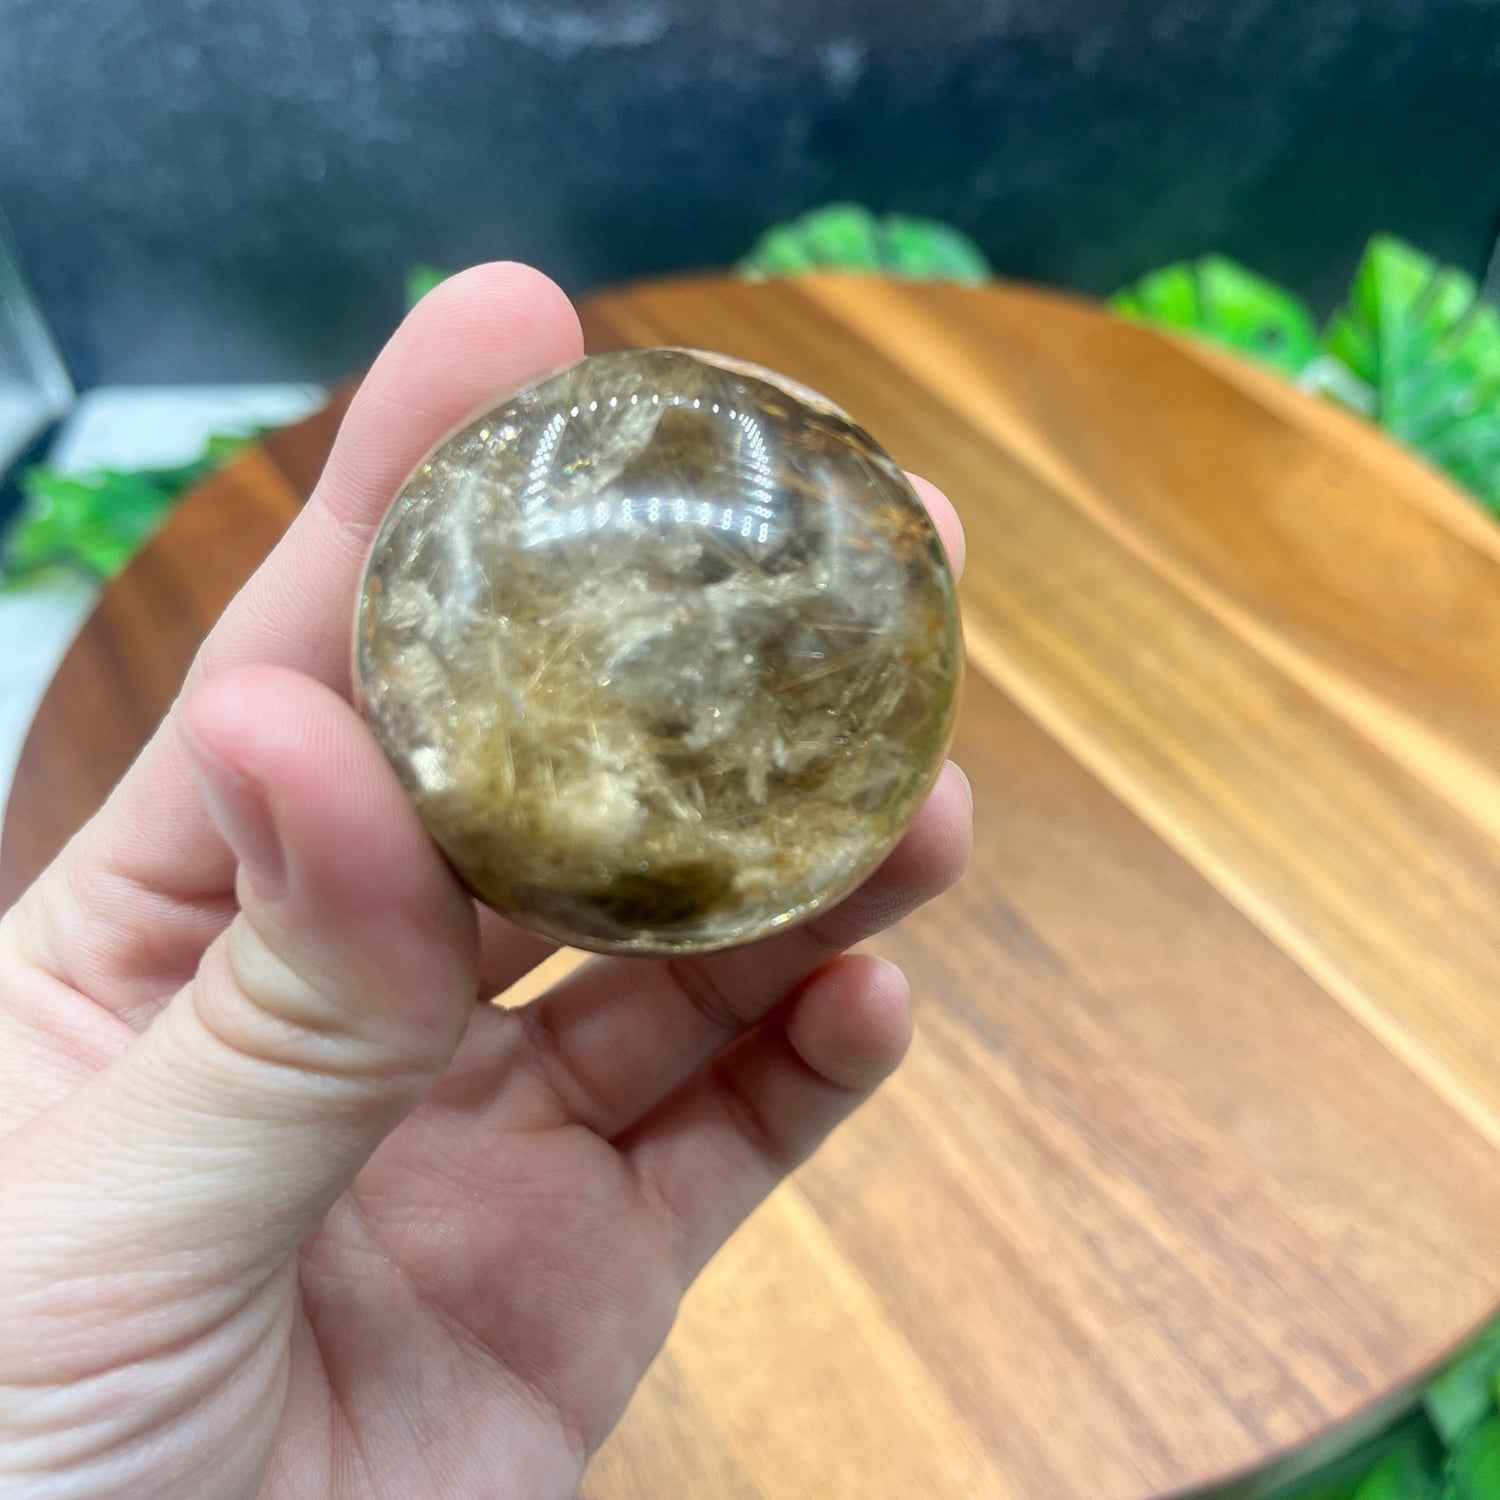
pixel 664 649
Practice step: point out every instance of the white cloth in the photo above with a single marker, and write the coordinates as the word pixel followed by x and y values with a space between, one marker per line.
pixel 120 427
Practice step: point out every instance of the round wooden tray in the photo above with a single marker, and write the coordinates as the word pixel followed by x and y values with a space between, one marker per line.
pixel 1196 1156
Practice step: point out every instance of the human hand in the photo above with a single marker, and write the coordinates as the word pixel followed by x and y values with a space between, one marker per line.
pixel 283 1210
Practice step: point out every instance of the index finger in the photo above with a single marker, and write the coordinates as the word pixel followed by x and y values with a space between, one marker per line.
pixel 471 341
pixel 480 335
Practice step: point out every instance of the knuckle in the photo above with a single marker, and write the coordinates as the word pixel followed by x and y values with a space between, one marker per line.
pixel 699 985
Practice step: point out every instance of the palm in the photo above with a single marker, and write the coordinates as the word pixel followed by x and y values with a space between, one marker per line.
pixel 528 1268
pixel 485 1295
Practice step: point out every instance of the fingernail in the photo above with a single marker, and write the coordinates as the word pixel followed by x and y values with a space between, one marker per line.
pixel 963 780
pixel 241 811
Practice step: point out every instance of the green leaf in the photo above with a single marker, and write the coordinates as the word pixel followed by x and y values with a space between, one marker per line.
pixel 1417 336
pixel 1474 1466
pixel 842 235
pixel 1404 1462
pixel 1464 1394
pixel 1220 301
pixel 94 523
pixel 1327 376
pixel 846 237
pixel 420 280
pixel 778 252
pixel 1168 297
pixel 1410 1471
pixel 924 250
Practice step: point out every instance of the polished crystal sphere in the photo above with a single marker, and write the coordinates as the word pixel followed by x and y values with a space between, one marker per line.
pixel 665 651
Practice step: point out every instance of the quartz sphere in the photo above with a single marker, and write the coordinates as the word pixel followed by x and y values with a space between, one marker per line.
pixel 665 650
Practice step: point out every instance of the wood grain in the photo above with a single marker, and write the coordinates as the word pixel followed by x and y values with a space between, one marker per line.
pixel 1192 1171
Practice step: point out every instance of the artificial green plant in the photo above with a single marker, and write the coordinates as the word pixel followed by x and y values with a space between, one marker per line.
pixel 1413 347
pixel 846 237
pixel 93 523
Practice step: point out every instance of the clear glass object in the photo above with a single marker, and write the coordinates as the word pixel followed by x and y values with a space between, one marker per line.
pixel 665 650
pixel 34 386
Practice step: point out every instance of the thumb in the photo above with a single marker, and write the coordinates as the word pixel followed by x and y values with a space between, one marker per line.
pixel 316 1021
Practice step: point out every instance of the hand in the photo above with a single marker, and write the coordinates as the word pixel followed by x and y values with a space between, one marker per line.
pixel 283 1210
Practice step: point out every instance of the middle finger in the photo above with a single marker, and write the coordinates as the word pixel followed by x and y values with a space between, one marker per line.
pixel 613 1039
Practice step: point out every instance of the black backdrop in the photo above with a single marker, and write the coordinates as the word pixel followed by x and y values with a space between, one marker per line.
pixel 218 189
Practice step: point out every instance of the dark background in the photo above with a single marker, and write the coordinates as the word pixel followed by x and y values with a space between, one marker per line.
pixel 204 189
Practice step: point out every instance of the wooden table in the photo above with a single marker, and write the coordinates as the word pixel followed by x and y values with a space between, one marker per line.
pixel 1196 1154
